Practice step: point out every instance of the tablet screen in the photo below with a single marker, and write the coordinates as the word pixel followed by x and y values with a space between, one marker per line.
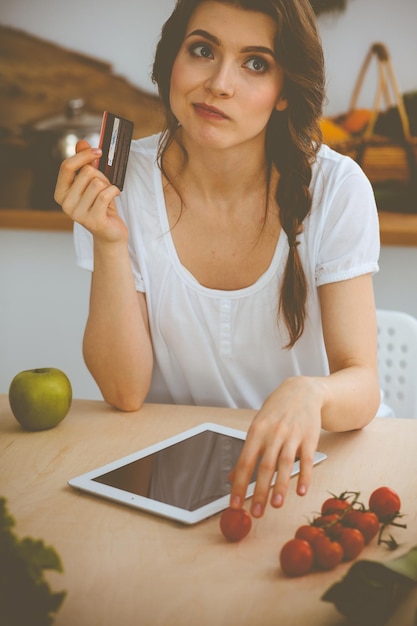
pixel 188 474
pixel 185 477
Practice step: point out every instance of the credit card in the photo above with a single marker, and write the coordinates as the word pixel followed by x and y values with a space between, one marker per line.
pixel 115 138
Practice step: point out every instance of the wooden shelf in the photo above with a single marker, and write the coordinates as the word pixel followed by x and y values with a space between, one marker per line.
pixel 397 229
pixel 28 219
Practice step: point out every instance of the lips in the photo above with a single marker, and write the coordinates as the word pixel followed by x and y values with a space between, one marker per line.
pixel 209 112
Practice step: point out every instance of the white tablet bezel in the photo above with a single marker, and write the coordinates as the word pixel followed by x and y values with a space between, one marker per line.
pixel 85 482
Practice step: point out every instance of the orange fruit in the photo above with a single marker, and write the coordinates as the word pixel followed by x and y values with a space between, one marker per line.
pixel 333 133
pixel 356 120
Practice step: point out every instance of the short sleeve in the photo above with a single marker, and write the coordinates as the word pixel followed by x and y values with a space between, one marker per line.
pixel 350 242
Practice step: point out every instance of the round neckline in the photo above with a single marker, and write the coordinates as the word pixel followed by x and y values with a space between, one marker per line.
pixel 186 276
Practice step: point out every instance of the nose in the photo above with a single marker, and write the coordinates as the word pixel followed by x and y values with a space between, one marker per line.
pixel 221 82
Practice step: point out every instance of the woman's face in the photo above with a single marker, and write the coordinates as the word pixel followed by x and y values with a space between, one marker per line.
pixel 225 80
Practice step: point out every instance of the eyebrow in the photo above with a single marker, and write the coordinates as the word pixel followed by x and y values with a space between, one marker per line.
pixel 203 33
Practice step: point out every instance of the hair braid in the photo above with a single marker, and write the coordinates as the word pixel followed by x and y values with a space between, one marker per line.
pixel 293 139
pixel 293 193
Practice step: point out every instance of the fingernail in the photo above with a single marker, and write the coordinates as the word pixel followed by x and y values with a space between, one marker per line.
pixel 235 502
pixel 302 490
pixel 277 500
pixel 257 510
pixel 97 151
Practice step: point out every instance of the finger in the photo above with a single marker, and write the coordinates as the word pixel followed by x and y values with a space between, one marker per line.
pixel 87 177
pixel 242 474
pixel 89 200
pixel 266 470
pixel 69 169
pixel 81 194
pixel 306 469
pixel 284 469
pixel 82 144
pixel 75 194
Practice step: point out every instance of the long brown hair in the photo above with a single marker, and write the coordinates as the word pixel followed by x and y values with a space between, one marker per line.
pixel 293 136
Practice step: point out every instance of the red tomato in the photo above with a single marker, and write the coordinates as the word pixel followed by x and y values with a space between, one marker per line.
pixel 330 523
pixel 296 557
pixel 327 553
pixel 308 532
pixel 365 521
pixel 352 542
pixel 235 524
pixel 334 505
pixel 385 503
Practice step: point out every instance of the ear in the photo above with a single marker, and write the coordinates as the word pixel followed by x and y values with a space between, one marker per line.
pixel 282 104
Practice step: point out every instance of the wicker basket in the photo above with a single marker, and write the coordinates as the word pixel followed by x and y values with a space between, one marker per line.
pixel 382 158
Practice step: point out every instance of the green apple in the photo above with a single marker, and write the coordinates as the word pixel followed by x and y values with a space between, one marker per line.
pixel 40 398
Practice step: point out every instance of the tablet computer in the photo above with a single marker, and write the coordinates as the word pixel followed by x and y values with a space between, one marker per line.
pixel 183 478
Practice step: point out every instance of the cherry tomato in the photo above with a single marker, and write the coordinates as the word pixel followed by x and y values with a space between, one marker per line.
pixel 331 524
pixel 365 521
pixel 308 532
pixel 296 557
pixel 352 542
pixel 235 524
pixel 327 553
pixel 385 503
pixel 334 505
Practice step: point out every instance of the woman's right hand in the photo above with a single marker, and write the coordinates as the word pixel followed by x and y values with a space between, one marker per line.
pixel 87 196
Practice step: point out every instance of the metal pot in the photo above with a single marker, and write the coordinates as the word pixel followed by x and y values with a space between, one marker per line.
pixel 54 139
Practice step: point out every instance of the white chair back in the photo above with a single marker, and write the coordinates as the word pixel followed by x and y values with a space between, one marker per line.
pixel 397 361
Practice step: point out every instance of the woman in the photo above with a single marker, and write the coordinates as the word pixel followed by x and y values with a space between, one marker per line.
pixel 235 269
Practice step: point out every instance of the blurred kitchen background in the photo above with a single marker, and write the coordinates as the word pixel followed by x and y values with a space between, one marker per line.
pixel 60 59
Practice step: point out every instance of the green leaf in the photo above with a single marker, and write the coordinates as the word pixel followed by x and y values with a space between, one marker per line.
pixel 405 564
pixel 25 597
pixel 39 556
pixel 6 520
pixel 371 590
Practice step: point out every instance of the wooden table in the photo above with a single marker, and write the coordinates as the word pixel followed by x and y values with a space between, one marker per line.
pixel 127 568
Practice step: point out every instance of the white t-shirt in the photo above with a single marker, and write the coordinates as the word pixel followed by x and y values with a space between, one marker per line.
pixel 225 348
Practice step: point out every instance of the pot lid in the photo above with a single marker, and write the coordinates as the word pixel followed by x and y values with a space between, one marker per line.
pixel 75 118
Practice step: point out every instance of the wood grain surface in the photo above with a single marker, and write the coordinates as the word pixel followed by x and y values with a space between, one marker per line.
pixel 130 568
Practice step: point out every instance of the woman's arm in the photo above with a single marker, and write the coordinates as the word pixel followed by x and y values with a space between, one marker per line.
pixel 350 335
pixel 291 418
pixel 117 345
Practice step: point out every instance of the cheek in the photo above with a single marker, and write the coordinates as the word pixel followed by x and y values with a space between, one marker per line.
pixel 180 84
pixel 263 101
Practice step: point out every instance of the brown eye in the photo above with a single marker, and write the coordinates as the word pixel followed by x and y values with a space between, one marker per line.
pixel 201 50
pixel 256 64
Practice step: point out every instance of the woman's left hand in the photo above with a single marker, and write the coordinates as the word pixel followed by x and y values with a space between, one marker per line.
pixel 287 426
